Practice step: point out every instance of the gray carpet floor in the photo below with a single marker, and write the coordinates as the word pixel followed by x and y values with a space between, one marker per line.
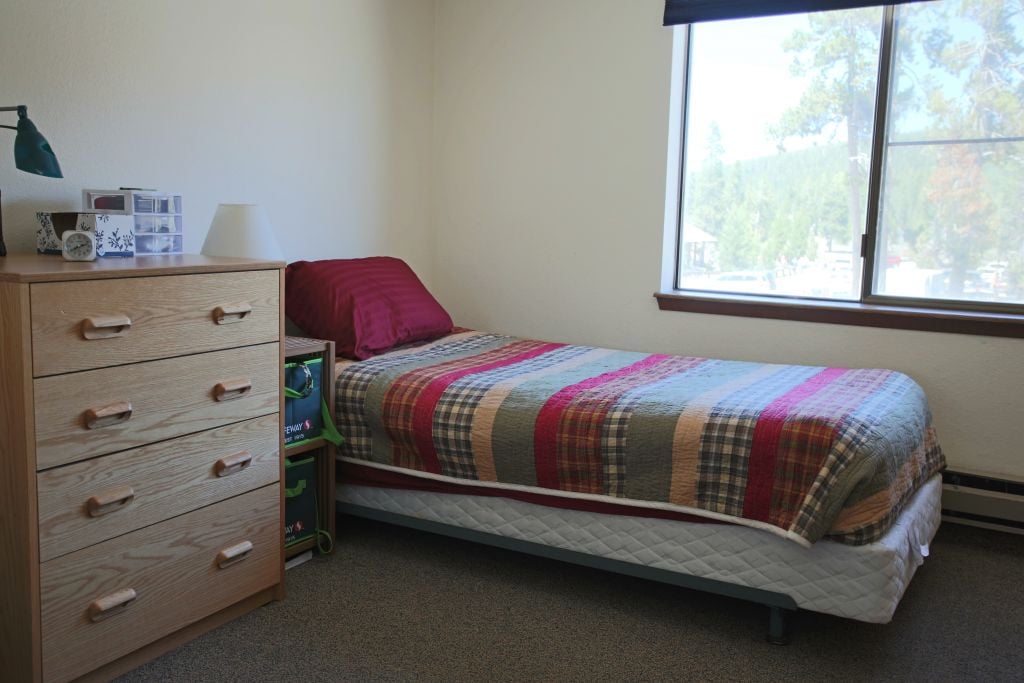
pixel 398 605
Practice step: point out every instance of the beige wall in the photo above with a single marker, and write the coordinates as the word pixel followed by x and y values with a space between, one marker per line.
pixel 549 157
pixel 318 110
pixel 513 152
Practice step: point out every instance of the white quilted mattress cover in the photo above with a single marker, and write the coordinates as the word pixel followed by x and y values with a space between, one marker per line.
pixel 858 582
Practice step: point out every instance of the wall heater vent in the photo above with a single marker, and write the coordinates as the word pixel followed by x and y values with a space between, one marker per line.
pixel 983 501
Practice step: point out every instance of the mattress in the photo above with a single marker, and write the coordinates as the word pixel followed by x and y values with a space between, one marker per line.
pixel 863 582
pixel 803 452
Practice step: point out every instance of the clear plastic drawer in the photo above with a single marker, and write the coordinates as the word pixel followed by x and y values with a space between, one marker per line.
pixel 157 244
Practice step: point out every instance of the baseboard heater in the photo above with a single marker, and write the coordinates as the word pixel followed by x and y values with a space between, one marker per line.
pixel 983 501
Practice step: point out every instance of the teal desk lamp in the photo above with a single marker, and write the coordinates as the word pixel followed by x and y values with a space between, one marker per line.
pixel 32 154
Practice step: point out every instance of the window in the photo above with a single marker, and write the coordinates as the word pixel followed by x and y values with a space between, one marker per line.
pixel 791 197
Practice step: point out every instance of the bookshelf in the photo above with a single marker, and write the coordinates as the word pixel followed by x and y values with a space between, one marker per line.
pixel 302 348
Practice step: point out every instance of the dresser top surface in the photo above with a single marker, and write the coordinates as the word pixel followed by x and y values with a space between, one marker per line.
pixel 39 268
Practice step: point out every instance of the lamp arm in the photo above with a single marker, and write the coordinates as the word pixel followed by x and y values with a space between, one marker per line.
pixel 3 247
pixel 12 108
pixel 11 127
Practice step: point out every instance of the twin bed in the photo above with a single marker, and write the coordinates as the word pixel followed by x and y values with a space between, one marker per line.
pixel 797 487
pixel 793 486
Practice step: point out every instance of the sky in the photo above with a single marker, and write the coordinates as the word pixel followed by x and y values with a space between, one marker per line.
pixel 740 69
pixel 740 77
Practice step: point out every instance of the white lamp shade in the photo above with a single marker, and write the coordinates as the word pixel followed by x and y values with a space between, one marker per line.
pixel 242 230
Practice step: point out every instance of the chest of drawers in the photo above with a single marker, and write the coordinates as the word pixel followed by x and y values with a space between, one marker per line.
pixel 140 456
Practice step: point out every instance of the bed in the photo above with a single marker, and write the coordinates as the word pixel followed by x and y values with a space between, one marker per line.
pixel 794 486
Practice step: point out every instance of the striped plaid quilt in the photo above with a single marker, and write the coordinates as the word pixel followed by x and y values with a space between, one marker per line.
pixel 803 452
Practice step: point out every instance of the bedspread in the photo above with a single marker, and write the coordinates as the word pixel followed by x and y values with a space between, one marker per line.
pixel 800 451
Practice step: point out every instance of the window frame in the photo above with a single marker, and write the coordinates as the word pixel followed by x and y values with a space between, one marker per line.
pixel 871 309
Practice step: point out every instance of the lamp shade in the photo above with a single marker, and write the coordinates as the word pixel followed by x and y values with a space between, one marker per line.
pixel 242 230
pixel 32 153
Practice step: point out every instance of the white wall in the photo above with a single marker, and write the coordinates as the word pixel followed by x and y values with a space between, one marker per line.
pixel 549 157
pixel 513 152
pixel 318 110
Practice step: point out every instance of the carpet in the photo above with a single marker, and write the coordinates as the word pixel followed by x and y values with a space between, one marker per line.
pixel 393 604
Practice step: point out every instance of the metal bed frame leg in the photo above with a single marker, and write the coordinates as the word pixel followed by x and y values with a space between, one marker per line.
pixel 778 625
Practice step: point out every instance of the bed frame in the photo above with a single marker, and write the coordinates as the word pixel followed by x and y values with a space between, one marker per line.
pixel 780 606
pixel 859 582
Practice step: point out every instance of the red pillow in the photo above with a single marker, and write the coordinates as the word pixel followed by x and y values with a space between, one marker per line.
pixel 367 305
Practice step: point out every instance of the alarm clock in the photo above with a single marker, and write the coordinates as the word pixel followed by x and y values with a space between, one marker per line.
pixel 78 245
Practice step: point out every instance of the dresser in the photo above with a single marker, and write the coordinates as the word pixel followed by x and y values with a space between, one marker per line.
pixel 140 456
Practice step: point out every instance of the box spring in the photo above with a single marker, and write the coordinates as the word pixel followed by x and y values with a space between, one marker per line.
pixel 863 582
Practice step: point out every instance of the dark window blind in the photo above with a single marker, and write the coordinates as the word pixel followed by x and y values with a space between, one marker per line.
pixel 693 11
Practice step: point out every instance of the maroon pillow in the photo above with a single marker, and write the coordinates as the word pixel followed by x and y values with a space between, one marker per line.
pixel 366 305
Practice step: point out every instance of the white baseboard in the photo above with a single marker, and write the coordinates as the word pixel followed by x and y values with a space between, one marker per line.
pixel 982 508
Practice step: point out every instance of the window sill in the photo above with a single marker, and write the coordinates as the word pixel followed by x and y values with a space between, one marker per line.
pixel 846 313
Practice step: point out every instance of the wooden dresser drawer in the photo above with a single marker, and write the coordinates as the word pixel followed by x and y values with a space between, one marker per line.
pixel 91 501
pixel 179 571
pixel 143 403
pixel 172 315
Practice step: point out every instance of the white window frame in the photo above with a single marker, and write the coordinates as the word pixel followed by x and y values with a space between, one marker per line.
pixel 874 310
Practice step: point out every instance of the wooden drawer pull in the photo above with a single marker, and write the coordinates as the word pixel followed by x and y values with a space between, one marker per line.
pixel 231 464
pixel 106 326
pixel 109 501
pixel 236 553
pixel 113 414
pixel 231 389
pixel 233 313
pixel 110 605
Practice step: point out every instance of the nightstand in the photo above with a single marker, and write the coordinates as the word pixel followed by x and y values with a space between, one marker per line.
pixel 140 456
pixel 300 348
